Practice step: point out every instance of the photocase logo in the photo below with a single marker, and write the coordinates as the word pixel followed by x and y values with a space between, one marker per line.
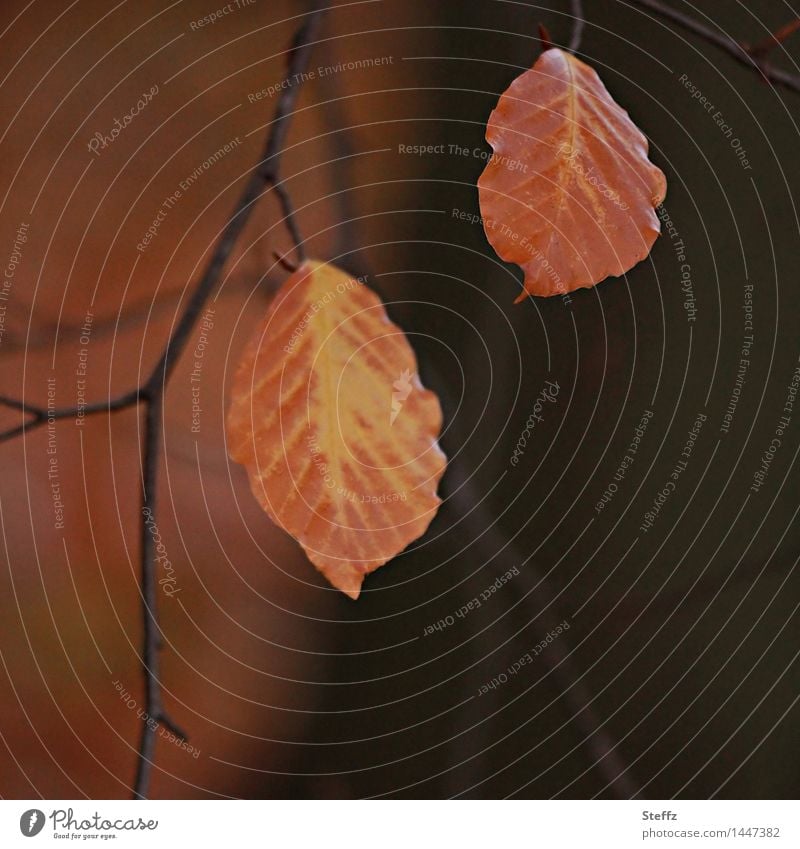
pixel 31 822
pixel 402 387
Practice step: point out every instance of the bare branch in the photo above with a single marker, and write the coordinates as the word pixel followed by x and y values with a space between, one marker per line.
pixel 498 555
pixel 41 415
pixel 750 56
pixel 492 544
pixel 265 175
pixel 773 39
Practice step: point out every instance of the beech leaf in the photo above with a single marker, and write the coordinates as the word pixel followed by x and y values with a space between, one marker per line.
pixel 338 435
pixel 569 193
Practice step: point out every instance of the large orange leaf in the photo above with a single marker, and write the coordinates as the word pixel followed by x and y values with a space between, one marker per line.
pixel 569 193
pixel 338 435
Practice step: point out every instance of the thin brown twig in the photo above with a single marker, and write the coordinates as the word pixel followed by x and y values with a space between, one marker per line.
pixel 151 392
pixel 773 39
pixel 142 311
pixel 265 176
pixel 284 263
pixel 498 554
pixel 749 56
pixel 42 415
pixel 545 39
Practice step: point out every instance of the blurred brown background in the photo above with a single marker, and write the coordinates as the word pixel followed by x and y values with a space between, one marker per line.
pixel 686 636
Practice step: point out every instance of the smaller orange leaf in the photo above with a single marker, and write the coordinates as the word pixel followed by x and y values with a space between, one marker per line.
pixel 338 435
pixel 569 193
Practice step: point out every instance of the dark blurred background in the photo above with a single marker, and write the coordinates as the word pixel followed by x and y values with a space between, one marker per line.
pixel 678 673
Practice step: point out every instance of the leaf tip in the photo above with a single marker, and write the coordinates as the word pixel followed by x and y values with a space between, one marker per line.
pixel 348 583
pixel 341 575
pixel 354 592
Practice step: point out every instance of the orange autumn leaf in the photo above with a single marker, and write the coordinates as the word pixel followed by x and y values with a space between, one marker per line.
pixel 569 193
pixel 337 433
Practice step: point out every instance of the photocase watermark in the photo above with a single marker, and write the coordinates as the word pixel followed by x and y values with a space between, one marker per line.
pixel 536 254
pixel 473 218
pixel 524 660
pixel 782 425
pixel 66 825
pixel 626 462
pixel 9 272
pixel 206 326
pixel 31 822
pixel 222 12
pixel 152 723
pixel 169 202
pixel 366 498
pixel 318 73
pixel 719 119
pixel 442 149
pixel 53 470
pixel 678 469
pixel 515 166
pixel 100 141
pixel 680 255
pixel 325 470
pixel 472 604
pixel 402 389
pixel 548 395
pixel 523 241
pixel 743 365
pixel 572 155
pixel 168 582
pixel 317 306
pixel 82 368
